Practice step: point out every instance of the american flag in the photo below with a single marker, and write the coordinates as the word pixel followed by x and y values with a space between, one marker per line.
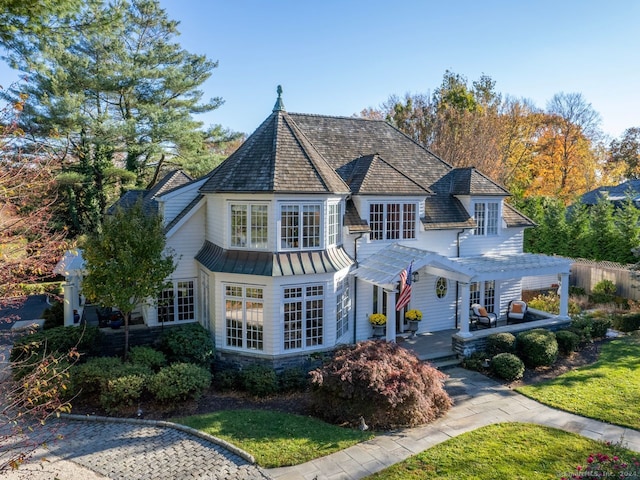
pixel 405 288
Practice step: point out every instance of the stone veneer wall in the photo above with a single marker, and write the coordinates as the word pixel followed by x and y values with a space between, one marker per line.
pixel 464 346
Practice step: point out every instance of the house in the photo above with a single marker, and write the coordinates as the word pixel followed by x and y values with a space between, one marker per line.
pixel 291 243
pixel 617 194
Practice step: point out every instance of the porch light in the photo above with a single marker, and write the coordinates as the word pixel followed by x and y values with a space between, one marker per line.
pixel 415 277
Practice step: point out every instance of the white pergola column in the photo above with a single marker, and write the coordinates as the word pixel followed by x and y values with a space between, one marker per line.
pixel 391 316
pixel 564 296
pixel 464 310
pixel 69 294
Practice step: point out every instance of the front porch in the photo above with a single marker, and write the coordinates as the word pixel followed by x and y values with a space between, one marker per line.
pixel 443 347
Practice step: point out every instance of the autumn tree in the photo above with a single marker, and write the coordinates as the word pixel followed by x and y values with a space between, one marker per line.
pixel 30 242
pixel 566 165
pixel 625 154
pixel 113 90
pixel 127 262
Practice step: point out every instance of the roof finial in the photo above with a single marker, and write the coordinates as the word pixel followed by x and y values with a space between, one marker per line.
pixel 279 106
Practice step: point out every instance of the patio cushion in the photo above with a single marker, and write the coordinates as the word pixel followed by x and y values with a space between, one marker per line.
pixel 483 312
pixel 516 308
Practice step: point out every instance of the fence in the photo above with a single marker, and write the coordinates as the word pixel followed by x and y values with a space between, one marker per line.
pixel 587 273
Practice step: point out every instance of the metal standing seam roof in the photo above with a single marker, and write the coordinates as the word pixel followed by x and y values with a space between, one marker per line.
pixel 384 267
pixel 247 262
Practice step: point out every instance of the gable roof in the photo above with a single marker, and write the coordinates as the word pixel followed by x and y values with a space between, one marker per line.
pixel 172 180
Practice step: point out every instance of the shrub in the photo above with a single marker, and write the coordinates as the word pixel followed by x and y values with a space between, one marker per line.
pixel 90 377
pixel 381 382
pixel 578 291
pixel 178 382
pixel 121 392
pixel 599 327
pixel 259 380
pixel 93 377
pixel 627 322
pixel 582 326
pixel 501 343
pixel 59 339
pixel 475 361
pixel 551 303
pixel 293 380
pixel 147 357
pixel 227 379
pixel 603 292
pixel 537 347
pixel 568 342
pixel 53 316
pixel 190 343
pixel 507 366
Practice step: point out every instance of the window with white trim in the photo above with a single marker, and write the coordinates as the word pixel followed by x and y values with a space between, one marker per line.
pixel 249 225
pixel 486 215
pixel 300 226
pixel 244 317
pixel 392 221
pixel 177 304
pixel 343 306
pixel 334 230
pixel 303 316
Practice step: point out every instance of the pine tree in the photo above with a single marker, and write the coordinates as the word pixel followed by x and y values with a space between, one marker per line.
pixel 115 90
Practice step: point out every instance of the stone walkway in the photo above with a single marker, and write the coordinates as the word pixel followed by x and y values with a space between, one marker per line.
pixel 147 450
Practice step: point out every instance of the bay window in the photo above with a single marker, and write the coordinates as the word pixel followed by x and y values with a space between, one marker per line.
pixel 244 317
pixel 249 225
pixel 300 226
pixel 303 316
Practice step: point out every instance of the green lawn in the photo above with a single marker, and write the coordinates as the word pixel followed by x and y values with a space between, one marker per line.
pixel 608 390
pixel 276 439
pixel 507 451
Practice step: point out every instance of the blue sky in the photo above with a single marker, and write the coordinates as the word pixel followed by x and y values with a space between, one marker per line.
pixel 337 57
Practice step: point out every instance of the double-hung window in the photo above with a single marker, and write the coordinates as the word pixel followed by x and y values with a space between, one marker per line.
pixel 249 225
pixel 392 221
pixel 303 316
pixel 486 215
pixel 244 317
pixel 300 226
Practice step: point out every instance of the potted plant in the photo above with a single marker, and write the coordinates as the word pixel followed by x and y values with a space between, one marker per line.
pixel 413 316
pixel 378 322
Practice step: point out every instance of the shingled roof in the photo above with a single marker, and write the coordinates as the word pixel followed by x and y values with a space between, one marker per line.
pixel 171 180
pixel 317 154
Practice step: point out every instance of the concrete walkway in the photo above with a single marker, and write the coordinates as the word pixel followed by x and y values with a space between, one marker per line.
pixel 125 451
pixel 479 401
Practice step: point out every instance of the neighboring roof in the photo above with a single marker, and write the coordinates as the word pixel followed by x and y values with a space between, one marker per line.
pixel 616 193
pixel 246 262
pixel 170 181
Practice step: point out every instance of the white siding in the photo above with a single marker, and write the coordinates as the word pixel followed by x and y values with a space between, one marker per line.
pixel 186 243
pixel 508 290
pixel 509 241
pixel 176 201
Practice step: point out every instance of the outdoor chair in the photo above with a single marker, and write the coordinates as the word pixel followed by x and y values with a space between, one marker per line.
pixel 481 318
pixel 516 312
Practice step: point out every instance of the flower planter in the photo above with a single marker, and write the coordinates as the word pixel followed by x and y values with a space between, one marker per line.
pixel 413 325
pixel 379 331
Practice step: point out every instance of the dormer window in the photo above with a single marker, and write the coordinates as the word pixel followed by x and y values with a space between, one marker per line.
pixel 300 226
pixel 249 225
pixel 486 215
pixel 392 221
